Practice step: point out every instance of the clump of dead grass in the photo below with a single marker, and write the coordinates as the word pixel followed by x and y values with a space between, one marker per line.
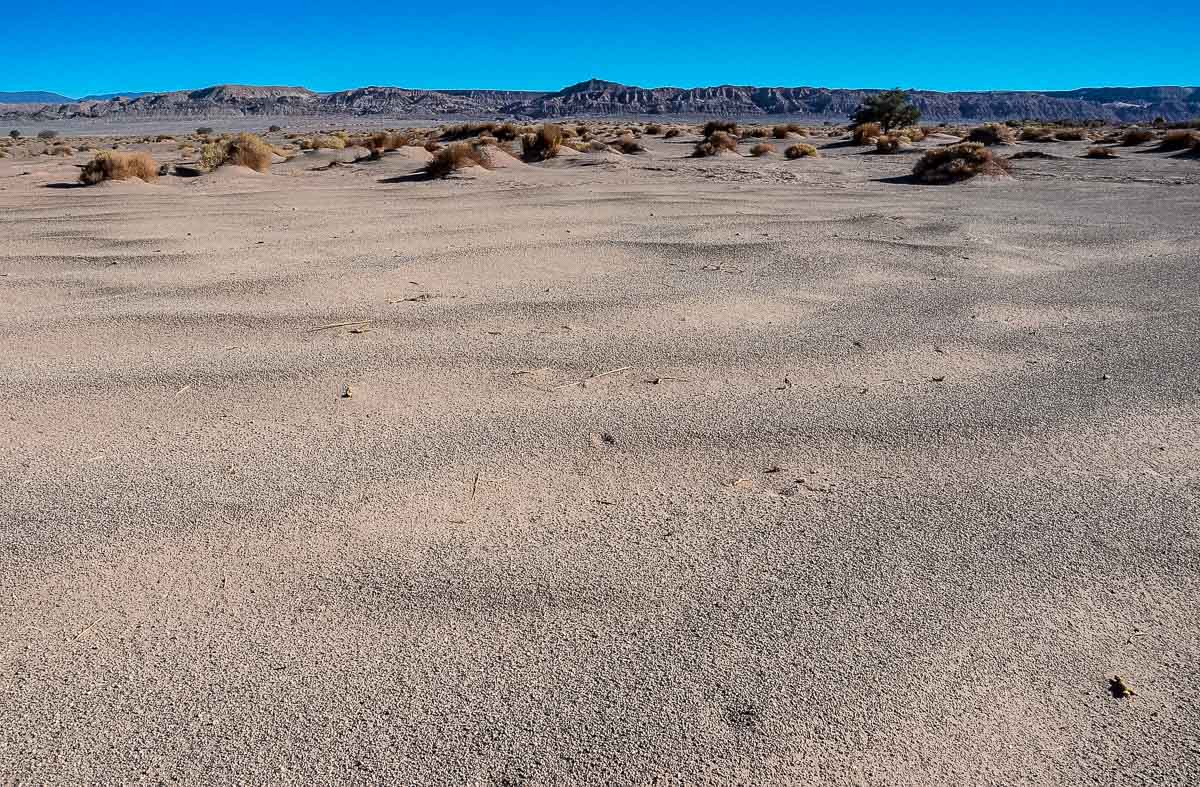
pixel 715 144
pixel 890 143
pixel 801 150
pixel 627 144
pixel 1179 139
pixel 671 133
pixel 119 166
pixel 654 129
pixel 1037 134
pixel 762 149
pixel 991 134
pixel 456 156
pixel 1101 152
pixel 542 144
pixel 958 162
pixel 865 133
pixel 713 126
pixel 1136 136
pixel 1071 134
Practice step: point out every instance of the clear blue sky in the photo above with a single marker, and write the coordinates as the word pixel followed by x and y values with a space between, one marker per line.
pixel 75 48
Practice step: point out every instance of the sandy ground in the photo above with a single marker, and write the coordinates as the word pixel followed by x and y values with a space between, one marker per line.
pixel 655 469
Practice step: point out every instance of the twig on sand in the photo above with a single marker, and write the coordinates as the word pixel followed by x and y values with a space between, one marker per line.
pixel 338 325
pixel 183 390
pixel 593 377
pixel 474 484
pixel 658 380
pixel 91 626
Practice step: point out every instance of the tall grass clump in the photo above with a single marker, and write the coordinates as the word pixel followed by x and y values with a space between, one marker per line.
pixel 119 166
pixel 456 156
pixel 543 143
pixel 715 144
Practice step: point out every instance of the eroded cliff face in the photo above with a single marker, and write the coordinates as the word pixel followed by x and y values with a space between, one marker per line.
pixel 597 97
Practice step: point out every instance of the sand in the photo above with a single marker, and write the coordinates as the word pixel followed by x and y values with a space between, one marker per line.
pixel 655 469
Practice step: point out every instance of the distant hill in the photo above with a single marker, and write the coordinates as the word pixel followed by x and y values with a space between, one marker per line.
pixel 34 97
pixel 110 96
pixel 600 98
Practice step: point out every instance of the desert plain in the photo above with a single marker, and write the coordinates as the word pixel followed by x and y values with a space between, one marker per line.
pixel 609 468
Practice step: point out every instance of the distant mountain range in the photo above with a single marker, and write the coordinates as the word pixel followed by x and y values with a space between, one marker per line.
pixel 599 98
pixel 42 97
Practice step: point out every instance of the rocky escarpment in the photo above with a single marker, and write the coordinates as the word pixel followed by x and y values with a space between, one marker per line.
pixel 598 98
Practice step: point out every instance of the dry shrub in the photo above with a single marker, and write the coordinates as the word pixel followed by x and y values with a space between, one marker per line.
pixel 758 132
pixel 1137 136
pixel 654 129
pixel 119 166
pixel 865 133
pixel 1101 152
pixel 456 156
pixel 327 141
pixel 958 162
pixel 627 144
pixel 780 132
pixel 890 143
pixel 467 130
pixel 801 150
pixel 1180 139
pixel 718 142
pixel 61 150
pixel 248 150
pixel 762 149
pixel 542 144
pixel 506 132
pixel 991 134
pixel 596 146
pixel 713 126
pixel 1037 134
pixel 1071 134
pixel 1030 154
pixel 671 133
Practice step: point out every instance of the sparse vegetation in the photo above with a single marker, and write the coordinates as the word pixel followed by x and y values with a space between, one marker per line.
pixel 204 131
pixel 1101 152
pixel 456 156
pixel 866 133
pixel 889 109
pixel 758 132
pixel 801 150
pixel 1071 134
pixel 47 134
pixel 1037 134
pixel 1180 139
pixel 713 126
pixel 273 129
pixel 762 149
pixel 958 162
pixel 654 129
pixel 15 134
pixel 543 143
pixel 248 150
pixel 119 166
pixel 627 144
pixel 890 143
pixel 671 133
pixel 328 141
pixel 1136 136
pixel 716 143
pixel 991 134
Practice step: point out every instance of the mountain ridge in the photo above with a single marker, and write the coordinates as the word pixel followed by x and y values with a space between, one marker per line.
pixel 597 97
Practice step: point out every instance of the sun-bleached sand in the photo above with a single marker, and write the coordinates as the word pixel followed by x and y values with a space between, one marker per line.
pixel 654 469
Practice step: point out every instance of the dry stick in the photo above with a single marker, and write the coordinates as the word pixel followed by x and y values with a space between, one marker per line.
pixel 593 377
pixel 474 484
pixel 89 628
pixel 338 325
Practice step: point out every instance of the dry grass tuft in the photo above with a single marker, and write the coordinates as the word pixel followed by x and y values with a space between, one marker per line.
pixel 713 126
pixel 543 143
pixel 1136 136
pixel 991 134
pixel 671 133
pixel 327 141
pixel 627 144
pixel 1037 134
pixel 891 143
pixel 865 133
pixel 1180 139
pixel 248 150
pixel 456 156
pixel 654 129
pixel 762 149
pixel 1101 152
pixel 958 162
pixel 801 150
pixel 758 132
pixel 719 142
pixel 1071 134
pixel 119 166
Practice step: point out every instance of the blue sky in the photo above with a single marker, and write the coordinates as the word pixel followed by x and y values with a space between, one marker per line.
pixel 78 48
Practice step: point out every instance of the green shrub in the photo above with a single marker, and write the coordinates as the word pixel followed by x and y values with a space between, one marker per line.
pixel 889 109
